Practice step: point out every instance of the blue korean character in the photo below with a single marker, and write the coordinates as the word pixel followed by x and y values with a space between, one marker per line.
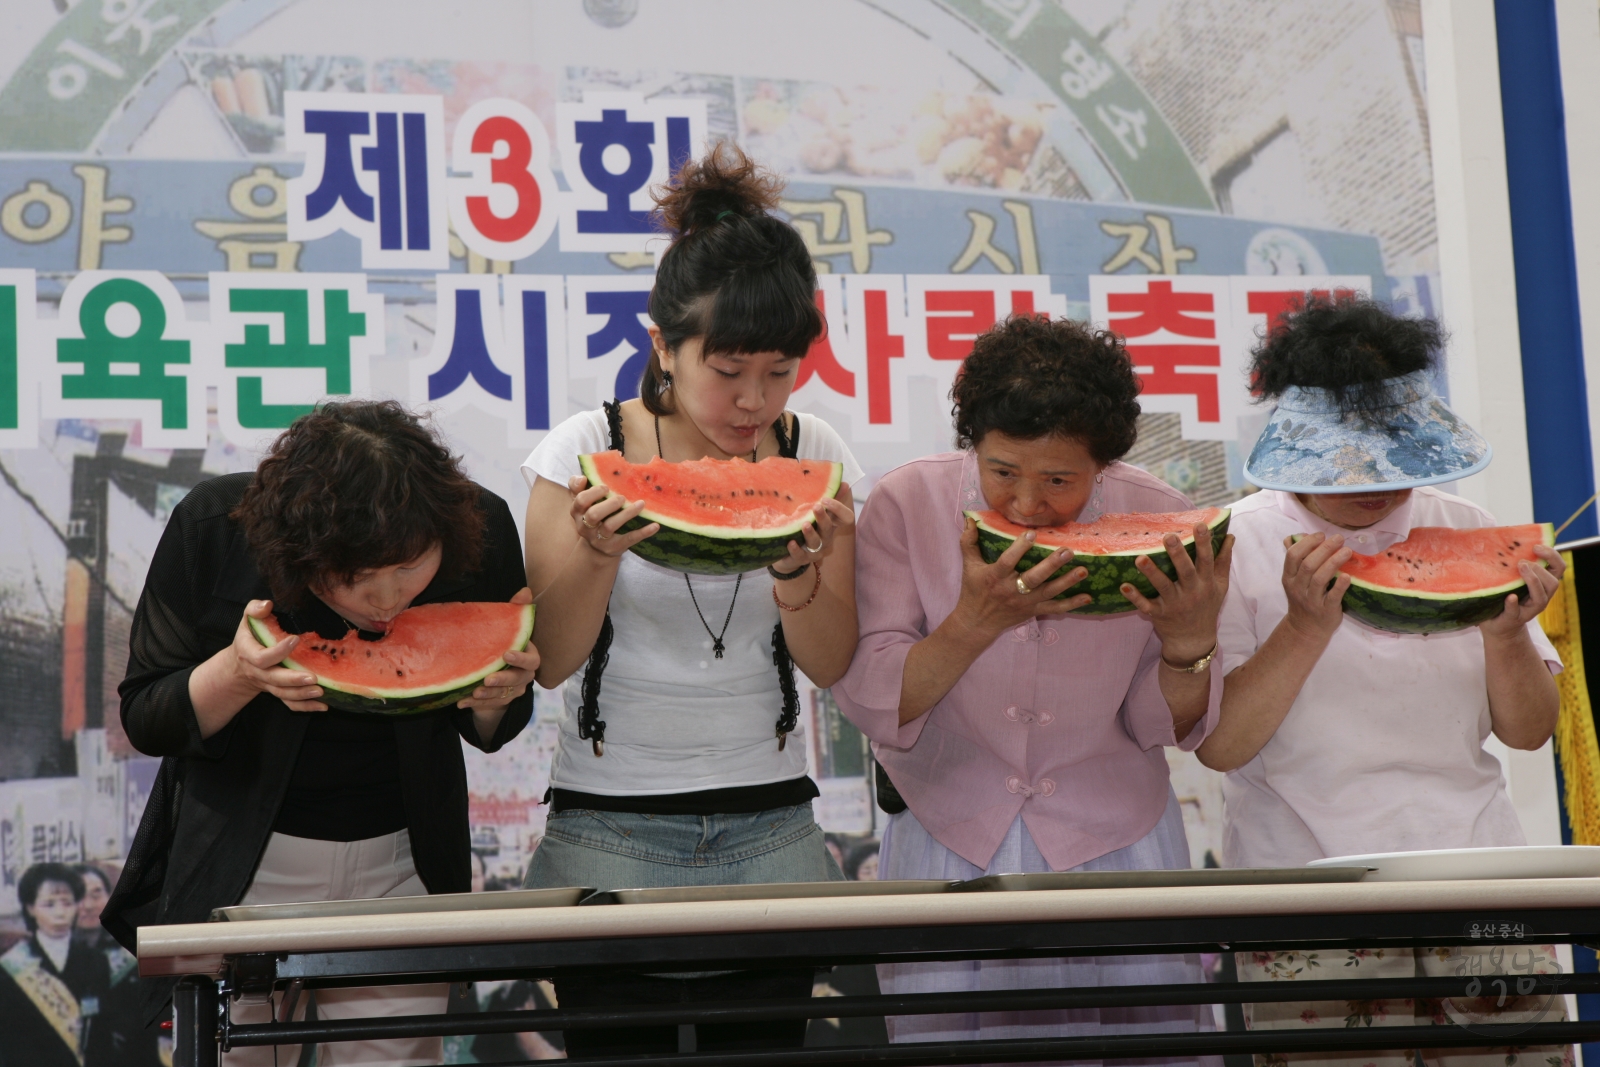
pixel 614 128
pixel 401 141
pixel 536 359
pixel 622 309
pixel 339 183
pixel 469 353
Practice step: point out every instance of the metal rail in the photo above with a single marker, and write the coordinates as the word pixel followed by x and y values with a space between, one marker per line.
pixel 507 1022
pixel 203 1021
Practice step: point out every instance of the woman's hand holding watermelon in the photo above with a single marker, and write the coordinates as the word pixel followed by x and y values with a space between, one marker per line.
pixel 1314 586
pixel 1542 585
pixel 833 515
pixel 992 598
pixel 251 669
pixel 598 516
pixel 1185 612
pixel 488 701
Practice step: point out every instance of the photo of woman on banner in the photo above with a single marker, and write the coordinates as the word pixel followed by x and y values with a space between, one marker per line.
pixel 357 511
pixel 1342 739
pixel 129 1041
pixel 51 984
pixel 1021 738
pixel 681 758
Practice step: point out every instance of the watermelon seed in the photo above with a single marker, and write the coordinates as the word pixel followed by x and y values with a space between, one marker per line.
pixel 399 674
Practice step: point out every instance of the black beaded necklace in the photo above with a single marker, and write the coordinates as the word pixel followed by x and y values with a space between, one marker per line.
pixel 716 639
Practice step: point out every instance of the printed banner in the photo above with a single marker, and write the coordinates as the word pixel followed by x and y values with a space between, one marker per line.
pixel 214 213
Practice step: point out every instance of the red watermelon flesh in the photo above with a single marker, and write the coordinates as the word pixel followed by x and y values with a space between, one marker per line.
pixel 1106 548
pixel 717 516
pixel 1439 579
pixel 432 656
pixel 1118 534
pixel 1440 560
pixel 719 494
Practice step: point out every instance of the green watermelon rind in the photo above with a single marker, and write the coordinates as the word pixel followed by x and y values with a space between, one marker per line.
pixel 1107 572
pixel 1420 612
pixel 409 701
pixel 715 550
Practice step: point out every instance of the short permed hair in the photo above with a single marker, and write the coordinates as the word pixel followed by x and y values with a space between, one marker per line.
pixel 1349 347
pixel 354 486
pixel 33 880
pixel 1031 376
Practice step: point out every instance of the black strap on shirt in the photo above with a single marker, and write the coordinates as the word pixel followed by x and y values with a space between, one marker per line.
pixel 591 727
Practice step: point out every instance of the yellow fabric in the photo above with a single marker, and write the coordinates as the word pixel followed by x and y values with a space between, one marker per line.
pixel 1576 745
pixel 49 994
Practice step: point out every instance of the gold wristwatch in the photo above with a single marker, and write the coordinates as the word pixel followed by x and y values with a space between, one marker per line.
pixel 1197 666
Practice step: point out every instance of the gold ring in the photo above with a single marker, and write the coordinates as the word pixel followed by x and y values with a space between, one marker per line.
pixel 584 518
pixel 1022 587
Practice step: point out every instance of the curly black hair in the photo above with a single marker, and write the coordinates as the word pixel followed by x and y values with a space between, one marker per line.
pixel 1030 376
pixel 354 486
pixel 1349 347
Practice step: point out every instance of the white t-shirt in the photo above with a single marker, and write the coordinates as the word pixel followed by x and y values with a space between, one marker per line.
pixel 1382 751
pixel 678 719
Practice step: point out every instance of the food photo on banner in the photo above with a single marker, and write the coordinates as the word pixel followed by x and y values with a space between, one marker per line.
pixel 216 215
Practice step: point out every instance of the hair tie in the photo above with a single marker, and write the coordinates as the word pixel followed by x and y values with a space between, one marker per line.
pixel 723 214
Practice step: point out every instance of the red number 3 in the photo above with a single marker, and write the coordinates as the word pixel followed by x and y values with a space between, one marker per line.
pixel 499 148
pixel 512 170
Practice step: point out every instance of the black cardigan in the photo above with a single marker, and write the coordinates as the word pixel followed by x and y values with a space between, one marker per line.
pixel 215 800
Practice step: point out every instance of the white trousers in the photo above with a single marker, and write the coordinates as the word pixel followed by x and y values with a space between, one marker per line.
pixel 295 869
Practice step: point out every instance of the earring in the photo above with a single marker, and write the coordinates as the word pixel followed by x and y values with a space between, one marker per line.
pixel 1100 479
pixel 666 379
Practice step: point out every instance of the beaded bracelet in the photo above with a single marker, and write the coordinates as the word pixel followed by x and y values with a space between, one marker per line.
pixel 815 588
pixel 780 576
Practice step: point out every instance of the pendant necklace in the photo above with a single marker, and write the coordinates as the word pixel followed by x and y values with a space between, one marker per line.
pixel 716 639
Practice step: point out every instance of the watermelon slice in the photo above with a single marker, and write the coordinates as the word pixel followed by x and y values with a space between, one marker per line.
pixel 717 516
pixel 1106 548
pixel 432 656
pixel 1439 579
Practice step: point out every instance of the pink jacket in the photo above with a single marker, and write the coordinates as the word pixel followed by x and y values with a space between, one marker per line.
pixel 1061 720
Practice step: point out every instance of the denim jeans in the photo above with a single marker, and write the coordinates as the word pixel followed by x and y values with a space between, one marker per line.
pixel 620 850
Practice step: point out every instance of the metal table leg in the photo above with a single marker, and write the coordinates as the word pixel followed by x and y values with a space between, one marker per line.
pixel 194 1023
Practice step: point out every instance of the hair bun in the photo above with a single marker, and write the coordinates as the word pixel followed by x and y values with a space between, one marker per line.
pixel 705 191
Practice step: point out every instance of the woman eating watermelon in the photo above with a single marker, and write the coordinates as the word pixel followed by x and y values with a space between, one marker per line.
pixel 681 759
pixel 357 512
pixel 1022 738
pixel 1338 737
